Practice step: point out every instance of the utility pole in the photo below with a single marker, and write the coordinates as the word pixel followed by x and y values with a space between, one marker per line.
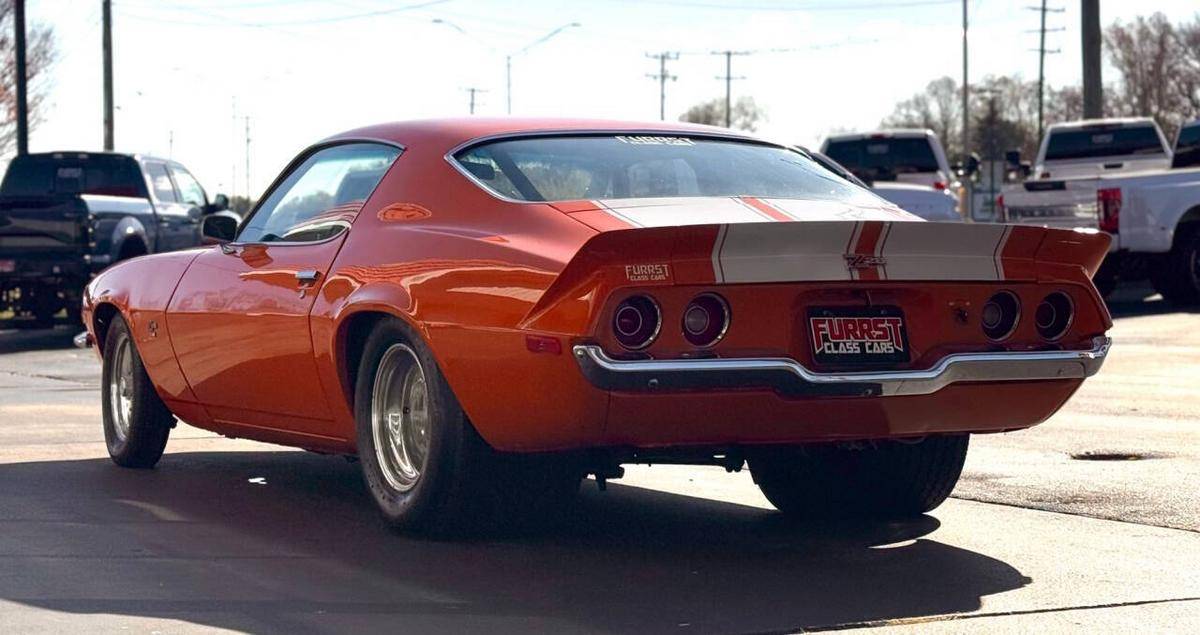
pixel 1041 49
pixel 507 84
pixel 22 103
pixel 966 96
pixel 1093 89
pixel 662 78
pixel 248 192
pixel 471 92
pixel 728 77
pixel 233 149
pixel 108 75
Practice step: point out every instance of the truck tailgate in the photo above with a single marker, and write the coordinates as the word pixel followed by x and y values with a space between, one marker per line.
pixel 1063 204
pixel 41 226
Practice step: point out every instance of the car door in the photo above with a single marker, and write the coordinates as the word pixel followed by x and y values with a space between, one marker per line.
pixel 178 222
pixel 239 319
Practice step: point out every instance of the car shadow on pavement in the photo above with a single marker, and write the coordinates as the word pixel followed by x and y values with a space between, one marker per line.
pixel 20 340
pixel 290 542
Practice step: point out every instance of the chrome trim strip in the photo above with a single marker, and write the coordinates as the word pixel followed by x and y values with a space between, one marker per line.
pixel 790 376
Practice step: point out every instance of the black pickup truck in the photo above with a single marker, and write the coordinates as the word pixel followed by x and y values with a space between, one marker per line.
pixel 64 216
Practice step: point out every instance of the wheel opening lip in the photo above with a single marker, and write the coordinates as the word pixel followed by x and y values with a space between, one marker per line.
pixel 1016 316
pixel 1066 326
pixel 726 319
pixel 626 303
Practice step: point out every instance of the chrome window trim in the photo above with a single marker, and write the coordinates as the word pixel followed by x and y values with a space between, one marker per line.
pixel 589 132
pixel 301 158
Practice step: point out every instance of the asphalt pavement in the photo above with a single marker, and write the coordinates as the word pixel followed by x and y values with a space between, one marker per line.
pixel 1090 521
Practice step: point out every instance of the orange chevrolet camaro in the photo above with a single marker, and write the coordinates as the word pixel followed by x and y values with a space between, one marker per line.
pixel 486 311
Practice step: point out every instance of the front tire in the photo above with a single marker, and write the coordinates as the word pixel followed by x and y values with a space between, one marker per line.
pixel 1177 276
pixel 136 421
pixel 874 479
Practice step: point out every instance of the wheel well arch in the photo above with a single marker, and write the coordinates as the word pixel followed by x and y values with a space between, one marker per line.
pixel 132 247
pixel 350 340
pixel 102 319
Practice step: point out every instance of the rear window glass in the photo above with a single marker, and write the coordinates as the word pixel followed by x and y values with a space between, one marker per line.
pixel 73 174
pixel 883 158
pixel 1085 143
pixel 625 166
pixel 1187 148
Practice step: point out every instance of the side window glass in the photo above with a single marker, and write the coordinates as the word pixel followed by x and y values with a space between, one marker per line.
pixel 190 191
pixel 320 197
pixel 160 183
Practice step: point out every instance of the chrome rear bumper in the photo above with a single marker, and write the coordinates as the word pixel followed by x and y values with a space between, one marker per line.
pixel 789 377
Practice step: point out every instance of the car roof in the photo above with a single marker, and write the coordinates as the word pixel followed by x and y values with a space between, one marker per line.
pixel 1118 122
pixel 903 133
pixel 448 134
pixel 103 153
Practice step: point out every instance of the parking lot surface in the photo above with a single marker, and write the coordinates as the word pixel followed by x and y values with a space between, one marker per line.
pixel 1090 521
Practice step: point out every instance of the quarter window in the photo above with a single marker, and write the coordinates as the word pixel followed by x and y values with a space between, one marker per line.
pixel 160 183
pixel 320 197
pixel 190 191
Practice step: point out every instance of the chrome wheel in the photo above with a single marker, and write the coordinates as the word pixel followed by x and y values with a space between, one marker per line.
pixel 400 423
pixel 120 389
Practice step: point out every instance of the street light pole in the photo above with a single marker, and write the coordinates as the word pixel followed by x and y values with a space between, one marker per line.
pixel 508 58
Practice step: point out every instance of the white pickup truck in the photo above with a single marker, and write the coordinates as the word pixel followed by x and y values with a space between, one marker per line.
pixel 905 166
pixel 1118 175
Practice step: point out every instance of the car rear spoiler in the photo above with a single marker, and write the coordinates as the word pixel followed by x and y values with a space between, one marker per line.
pixel 819 251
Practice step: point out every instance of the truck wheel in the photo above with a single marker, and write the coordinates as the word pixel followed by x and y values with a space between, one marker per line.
pixel 136 421
pixel 874 479
pixel 1177 276
pixel 1106 277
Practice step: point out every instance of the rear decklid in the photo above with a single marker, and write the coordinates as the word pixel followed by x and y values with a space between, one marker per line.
pixel 819 251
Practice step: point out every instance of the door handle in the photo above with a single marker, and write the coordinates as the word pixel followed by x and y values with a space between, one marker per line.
pixel 307 277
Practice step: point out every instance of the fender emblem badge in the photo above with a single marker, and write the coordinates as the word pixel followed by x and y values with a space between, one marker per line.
pixel 153 328
pixel 864 261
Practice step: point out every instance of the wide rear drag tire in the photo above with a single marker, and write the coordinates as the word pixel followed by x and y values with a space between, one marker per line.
pixel 885 479
pixel 136 421
pixel 1177 274
pixel 426 467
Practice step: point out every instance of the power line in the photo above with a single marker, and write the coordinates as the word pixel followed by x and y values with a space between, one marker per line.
pixel 224 21
pixel 834 7
pixel 662 76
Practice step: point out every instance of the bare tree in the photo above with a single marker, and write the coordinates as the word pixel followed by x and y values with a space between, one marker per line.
pixel 40 53
pixel 1159 67
pixel 746 113
pixel 937 109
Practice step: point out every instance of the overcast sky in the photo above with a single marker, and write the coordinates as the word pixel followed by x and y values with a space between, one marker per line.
pixel 305 69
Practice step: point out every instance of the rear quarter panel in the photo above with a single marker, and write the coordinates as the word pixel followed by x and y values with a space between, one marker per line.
pixel 463 268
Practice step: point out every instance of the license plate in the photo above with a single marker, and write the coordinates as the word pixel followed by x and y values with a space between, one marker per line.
pixel 8 266
pixel 858 335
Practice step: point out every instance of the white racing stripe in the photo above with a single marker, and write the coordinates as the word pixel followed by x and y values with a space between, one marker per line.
pixel 816 251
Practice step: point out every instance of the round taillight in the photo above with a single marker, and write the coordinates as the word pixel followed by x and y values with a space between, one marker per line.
pixel 999 315
pixel 636 322
pixel 1054 315
pixel 705 319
